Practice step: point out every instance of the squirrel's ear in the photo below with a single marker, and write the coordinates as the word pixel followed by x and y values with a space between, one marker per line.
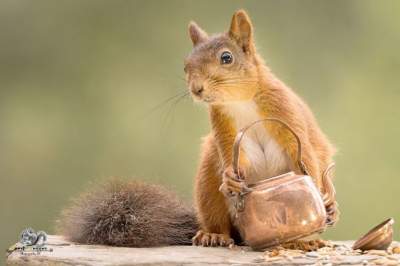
pixel 241 31
pixel 196 33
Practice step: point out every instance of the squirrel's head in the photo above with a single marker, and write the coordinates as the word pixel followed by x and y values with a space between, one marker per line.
pixel 223 68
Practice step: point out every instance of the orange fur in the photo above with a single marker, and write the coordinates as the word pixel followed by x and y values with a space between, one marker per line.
pixel 246 79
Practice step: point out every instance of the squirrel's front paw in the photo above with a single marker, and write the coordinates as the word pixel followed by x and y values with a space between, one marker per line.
pixel 332 212
pixel 231 184
pixel 211 239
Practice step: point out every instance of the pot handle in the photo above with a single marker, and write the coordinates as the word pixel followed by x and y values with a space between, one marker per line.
pixel 240 135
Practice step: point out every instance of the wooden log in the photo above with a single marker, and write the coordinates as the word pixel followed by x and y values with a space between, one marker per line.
pixel 61 252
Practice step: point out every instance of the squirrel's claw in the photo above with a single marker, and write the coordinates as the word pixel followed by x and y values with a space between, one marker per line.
pixel 211 239
pixel 231 185
pixel 332 212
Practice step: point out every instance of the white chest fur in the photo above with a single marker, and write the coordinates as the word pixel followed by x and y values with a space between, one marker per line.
pixel 266 156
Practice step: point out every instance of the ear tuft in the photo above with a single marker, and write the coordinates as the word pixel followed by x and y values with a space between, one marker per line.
pixel 241 30
pixel 197 35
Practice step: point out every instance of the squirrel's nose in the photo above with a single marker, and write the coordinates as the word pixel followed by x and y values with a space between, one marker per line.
pixel 197 90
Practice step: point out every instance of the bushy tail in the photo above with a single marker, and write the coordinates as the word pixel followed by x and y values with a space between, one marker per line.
pixel 128 213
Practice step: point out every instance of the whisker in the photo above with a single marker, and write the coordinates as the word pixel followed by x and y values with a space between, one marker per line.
pixel 170 113
pixel 181 78
pixel 167 101
pixel 216 82
pixel 161 104
pixel 237 80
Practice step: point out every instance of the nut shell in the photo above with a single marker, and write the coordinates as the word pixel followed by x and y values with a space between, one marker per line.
pixel 380 237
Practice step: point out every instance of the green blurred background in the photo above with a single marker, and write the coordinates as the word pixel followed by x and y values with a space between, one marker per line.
pixel 79 80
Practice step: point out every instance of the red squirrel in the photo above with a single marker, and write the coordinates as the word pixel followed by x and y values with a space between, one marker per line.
pixel 225 72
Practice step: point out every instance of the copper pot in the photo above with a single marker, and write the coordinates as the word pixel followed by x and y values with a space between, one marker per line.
pixel 282 208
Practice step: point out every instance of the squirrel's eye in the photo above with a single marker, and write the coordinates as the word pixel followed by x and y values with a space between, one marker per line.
pixel 226 58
